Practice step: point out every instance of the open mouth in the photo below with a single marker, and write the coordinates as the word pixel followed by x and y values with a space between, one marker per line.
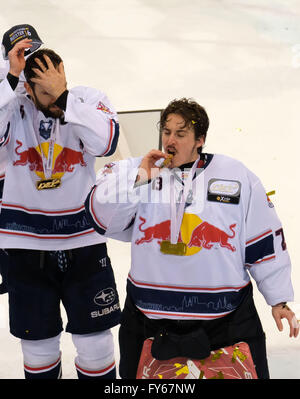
pixel 171 151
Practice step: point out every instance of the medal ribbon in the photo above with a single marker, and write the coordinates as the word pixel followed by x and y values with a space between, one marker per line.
pixel 48 161
pixel 176 216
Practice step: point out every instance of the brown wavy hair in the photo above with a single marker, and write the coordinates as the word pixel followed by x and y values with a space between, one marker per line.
pixel 193 114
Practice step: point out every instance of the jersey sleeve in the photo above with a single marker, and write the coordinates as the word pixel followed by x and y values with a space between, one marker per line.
pixel 8 101
pixel 112 203
pixel 266 254
pixel 95 121
pixel 3 72
pixel 20 89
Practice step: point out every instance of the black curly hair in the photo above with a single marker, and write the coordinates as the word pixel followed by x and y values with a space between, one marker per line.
pixel 193 114
pixel 31 63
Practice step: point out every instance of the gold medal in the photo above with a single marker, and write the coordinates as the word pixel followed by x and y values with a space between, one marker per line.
pixel 48 184
pixel 167 161
pixel 173 249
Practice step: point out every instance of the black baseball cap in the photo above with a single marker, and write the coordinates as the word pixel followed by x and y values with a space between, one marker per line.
pixel 17 33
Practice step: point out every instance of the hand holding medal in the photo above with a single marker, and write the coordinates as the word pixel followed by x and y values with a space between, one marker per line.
pixel 149 169
pixel 166 162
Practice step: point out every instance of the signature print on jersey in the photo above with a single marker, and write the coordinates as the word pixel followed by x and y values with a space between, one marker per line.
pixel 194 232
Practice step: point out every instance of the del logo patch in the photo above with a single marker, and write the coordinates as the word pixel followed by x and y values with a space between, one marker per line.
pixel 224 191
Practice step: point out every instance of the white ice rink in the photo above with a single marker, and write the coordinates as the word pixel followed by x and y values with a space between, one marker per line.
pixel 240 59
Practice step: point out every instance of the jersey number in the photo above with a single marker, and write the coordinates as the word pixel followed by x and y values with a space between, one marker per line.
pixel 283 243
pixel 157 183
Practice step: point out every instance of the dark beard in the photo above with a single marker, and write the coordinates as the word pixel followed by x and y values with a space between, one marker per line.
pixel 50 114
pixel 46 111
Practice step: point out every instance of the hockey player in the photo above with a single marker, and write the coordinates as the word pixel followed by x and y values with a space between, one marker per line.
pixel 52 136
pixel 197 227
pixel 10 38
pixel 3 255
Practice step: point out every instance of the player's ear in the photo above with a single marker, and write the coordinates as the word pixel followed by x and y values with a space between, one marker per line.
pixel 200 141
pixel 61 68
pixel 28 88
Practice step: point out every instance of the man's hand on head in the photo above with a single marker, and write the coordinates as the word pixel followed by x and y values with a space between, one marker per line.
pixel 51 79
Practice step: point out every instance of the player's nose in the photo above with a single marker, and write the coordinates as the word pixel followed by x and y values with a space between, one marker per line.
pixel 171 140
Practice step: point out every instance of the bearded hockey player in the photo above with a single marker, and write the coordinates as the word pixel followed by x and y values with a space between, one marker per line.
pixel 52 136
pixel 10 38
pixel 200 225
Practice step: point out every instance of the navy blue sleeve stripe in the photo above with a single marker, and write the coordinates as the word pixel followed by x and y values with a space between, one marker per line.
pixel 115 139
pixel 89 213
pixel 260 249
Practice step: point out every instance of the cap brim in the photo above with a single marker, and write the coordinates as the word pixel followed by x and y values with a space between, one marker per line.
pixel 36 44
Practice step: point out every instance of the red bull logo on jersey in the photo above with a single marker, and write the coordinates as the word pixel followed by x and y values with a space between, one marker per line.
pixel 29 157
pixel 194 232
pixel 159 232
pixel 206 236
pixel 67 159
pixel 64 159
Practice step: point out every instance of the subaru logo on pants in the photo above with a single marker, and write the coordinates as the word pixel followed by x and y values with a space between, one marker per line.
pixel 105 297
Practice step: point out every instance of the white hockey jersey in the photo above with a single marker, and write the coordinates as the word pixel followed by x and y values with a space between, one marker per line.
pixel 52 219
pixel 20 90
pixel 229 229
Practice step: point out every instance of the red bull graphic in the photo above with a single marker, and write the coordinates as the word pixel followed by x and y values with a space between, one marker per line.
pixel 160 232
pixel 206 235
pixel 64 159
pixel 67 159
pixel 194 232
pixel 29 156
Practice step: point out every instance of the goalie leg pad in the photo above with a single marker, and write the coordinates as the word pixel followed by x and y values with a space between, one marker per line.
pixel 95 355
